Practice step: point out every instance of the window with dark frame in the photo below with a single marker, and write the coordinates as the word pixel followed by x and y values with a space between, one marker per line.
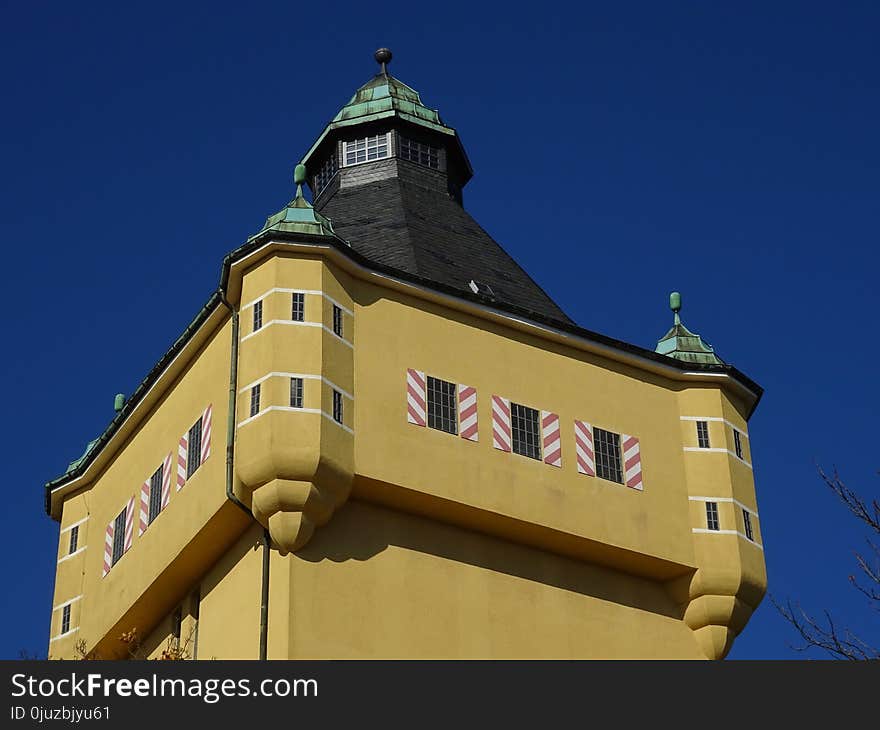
pixel 417 152
pixel 737 443
pixel 324 175
pixel 747 523
pixel 118 538
pixel 337 406
pixel 258 315
pixel 703 434
pixel 255 400
pixel 337 321
pixel 525 430
pixel 298 307
pixel 74 540
pixel 155 495
pixel 712 515
pixel 65 619
pixel 366 149
pixel 194 450
pixel 607 451
pixel 442 405
pixel 296 392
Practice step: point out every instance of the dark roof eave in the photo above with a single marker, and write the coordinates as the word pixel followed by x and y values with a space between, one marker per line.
pixel 528 314
pixel 218 297
pixel 213 301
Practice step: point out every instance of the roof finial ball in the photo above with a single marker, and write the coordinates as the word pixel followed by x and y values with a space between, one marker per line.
pixel 383 57
pixel 675 304
pixel 299 177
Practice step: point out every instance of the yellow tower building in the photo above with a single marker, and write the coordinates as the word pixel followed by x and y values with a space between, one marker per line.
pixel 379 438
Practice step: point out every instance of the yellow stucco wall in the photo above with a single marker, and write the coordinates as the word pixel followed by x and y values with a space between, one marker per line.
pixel 377 583
pixel 399 540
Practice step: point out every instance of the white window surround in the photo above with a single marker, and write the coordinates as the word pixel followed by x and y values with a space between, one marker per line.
pixel 74 524
pixel 67 603
pixel 706 531
pixel 292 409
pixel 714 450
pixel 273 322
pixel 369 144
pixel 304 376
pixel 725 499
pixel 283 290
pixel 716 419
pixel 62 636
pixel 729 500
pixel 73 554
pixel 270 323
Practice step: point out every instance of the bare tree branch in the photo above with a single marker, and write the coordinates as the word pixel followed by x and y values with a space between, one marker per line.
pixel 842 644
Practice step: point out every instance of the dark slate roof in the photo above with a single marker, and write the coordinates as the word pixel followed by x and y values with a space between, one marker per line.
pixel 403 225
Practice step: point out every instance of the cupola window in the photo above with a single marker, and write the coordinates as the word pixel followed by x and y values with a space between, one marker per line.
pixel 324 175
pixel 366 149
pixel 422 154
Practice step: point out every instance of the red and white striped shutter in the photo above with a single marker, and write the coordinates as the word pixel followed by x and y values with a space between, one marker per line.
pixel 206 434
pixel 415 397
pixel 467 412
pixel 129 524
pixel 182 449
pixel 632 462
pixel 583 442
pixel 145 507
pixel 166 481
pixel 500 423
pixel 108 547
pixel 552 438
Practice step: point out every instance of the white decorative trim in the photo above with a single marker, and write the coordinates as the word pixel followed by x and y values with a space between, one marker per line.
pixel 296 410
pixel 305 376
pixel 147 400
pixel 281 290
pixel 390 154
pixel 71 526
pixel 717 420
pixel 70 555
pixel 714 450
pixel 725 499
pixel 324 327
pixel 66 633
pixel 67 603
pixel 705 531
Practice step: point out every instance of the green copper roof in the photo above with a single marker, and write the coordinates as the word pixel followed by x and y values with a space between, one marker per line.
pixel 298 216
pixel 77 462
pixel 682 344
pixel 381 97
pixel 384 95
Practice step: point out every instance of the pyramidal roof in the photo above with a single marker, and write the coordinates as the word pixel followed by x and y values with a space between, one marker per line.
pixel 682 344
pixel 384 95
pixel 298 216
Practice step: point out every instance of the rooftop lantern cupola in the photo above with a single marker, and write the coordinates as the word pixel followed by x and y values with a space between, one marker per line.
pixel 384 123
pixel 682 344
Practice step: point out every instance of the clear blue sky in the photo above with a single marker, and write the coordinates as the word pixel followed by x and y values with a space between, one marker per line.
pixel 728 150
